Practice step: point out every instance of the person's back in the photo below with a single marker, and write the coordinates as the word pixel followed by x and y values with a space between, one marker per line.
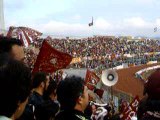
pixel 149 108
pixel 34 101
pixel 71 115
pixel 47 110
pixel 40 82
pixel 15 87
pixel 50 106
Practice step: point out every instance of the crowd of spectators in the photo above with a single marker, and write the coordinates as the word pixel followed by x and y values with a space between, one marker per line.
pixel 68 99
pixel 101 52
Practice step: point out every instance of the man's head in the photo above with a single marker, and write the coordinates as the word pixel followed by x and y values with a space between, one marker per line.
pixel 13 47
pixel 152 87
pixel 72 93
pixel 51 91
pixel 41 80
pixel 15 86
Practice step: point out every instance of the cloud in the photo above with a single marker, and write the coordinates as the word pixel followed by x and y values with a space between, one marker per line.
pixel 56 27
pixel 76 17
pixel 135 22
pixel 102 24
pixel 61 28
pixel 158 22
pixel 128 26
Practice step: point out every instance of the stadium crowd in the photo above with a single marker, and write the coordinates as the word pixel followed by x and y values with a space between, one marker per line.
pixel 102 52
pixel 40 97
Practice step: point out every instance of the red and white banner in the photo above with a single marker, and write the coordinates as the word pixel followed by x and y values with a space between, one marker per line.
pixel 91 80
pixel 131 110
pixel 25 34
pixel 50 60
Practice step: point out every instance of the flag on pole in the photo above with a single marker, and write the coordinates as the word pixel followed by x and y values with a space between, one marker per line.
pixel 131 110
pixel 91 24
pixel 50 60
pixel 91 80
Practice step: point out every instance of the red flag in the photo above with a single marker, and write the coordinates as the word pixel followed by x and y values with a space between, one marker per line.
pixel 91 80
pixel 50 59
pixel 131 110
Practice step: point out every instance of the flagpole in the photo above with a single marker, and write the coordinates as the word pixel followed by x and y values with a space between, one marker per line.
pixel 111 93
pixel 90 25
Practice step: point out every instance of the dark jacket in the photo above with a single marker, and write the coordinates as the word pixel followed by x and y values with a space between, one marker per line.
pixel 35 100
pixel 149 110
pixel 47 110
pixel 71 115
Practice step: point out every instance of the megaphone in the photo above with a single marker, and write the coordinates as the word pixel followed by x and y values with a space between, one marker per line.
pixel 109 77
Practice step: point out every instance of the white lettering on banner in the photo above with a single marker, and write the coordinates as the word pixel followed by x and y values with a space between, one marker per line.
pixel 53 61
pixel 135 104
pixel 129 110
pixel 130 115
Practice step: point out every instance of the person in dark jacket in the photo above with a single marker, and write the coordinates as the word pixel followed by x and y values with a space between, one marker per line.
pixel 40 84
pixel 15 87
pixel 73 97
pixel 149 106
pixel 50 106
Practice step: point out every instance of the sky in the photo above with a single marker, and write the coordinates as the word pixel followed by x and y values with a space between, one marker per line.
pixel 71 17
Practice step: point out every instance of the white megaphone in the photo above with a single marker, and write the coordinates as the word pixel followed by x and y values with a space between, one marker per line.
pixel 109 77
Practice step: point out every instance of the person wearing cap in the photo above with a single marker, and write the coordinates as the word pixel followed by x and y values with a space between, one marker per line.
pixel 149 106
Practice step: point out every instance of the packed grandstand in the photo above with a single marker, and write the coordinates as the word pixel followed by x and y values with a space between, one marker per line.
pixel 132 58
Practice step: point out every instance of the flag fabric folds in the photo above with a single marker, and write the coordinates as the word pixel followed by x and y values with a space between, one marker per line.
pixel 91 24
pixel 91 80
pixel 50 60
pixel 131 110
pixel 25 34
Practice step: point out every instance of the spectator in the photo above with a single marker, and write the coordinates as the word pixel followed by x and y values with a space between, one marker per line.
pixel 149 107
pixel 50 106
pixel 73 97
pixel 40 84
pixel 13 47
pixel 15 87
